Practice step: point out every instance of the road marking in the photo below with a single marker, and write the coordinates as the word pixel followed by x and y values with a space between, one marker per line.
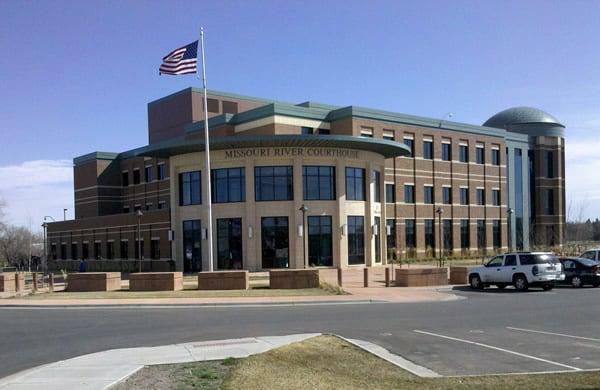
pixel 497 349
pixel 553 334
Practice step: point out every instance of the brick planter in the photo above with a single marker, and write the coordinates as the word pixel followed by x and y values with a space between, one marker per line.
pixel 156 281
pixel 94 281
pixel 7 282
pixel 294 278
pixel 458 275
pixel 223 280
pixel 414 277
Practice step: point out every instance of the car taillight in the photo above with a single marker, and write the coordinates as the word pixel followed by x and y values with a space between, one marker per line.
pixel 535 270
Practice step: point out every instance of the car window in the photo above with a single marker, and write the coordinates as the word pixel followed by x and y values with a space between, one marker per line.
pixel 529 259
pixel 569 264
pixel 587 262
pixel 495 262
pixel 510 260
pixel 589 255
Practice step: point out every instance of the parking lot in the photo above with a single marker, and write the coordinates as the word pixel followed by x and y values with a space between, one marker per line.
pixel 500 332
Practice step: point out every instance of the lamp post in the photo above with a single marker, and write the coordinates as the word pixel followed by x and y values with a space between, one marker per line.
pixel 139 217
pixel 45 226
pixel 509 213
pixel 64 214
pixel 439 212
pixel 304 209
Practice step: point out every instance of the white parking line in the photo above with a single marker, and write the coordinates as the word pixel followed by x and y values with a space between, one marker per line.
pixel 553 334
pixel 498 349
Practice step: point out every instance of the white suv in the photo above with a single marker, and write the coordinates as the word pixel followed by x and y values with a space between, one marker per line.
pixel 522 270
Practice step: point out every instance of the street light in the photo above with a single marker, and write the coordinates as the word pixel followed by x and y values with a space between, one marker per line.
pixel 304 209
pixel 509 212
pixel 439 212
pixel 65 214
pixel 45 226
pixel 139 217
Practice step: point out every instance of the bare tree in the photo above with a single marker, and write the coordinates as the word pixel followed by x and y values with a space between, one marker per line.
pixel 15 242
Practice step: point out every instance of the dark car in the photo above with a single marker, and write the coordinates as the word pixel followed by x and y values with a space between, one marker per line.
pixel 579 271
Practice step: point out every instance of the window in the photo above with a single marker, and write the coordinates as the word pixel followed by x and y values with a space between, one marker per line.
pixel 53 254
pixel 63 251
pixel 447 195
pixel 495 156
pixel 411 145
pixel 481 235
pixel 125 178
pixel 428 195
pixel 481 196
pixel 229 107
pixel 377 184
pixel 355 183
pixel 97 251
pixel 366 132
pixel 160 171
pixel 446 151
pixel 463 153
pixel 125 209
pixel 192 245
pixel 110 250
pixel 320 241
pixel 495 262
pixel 161 204
pixel 228 185
pixel 390 193
pixel 464 196
pixel 273 183
pixel 307 130
pixel 411 234
pixel 391 233
pixel 84 250
pixel 480 154
pixel 549 202
pixel 428 150
pixel 155 249
pixel 465 239
pixel 74 254
pixel 447 234
pixel 148 206
pixel 356 240
pixel 213 105
pixel 409 193
pixel 190 188
pixel 496 233
pixel 496 197
pixel 550 164
pixel 136 176
pixel 319 182
pixel 510 260
pixel 137 208
pixel 377 237
pixel 430 234
pixel 229 243
pixel 148 174
pixel 324 131
pixel 388 135
pixel 275 242
pixel 124 249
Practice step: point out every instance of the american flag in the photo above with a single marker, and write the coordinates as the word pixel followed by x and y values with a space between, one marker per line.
pixel 180 61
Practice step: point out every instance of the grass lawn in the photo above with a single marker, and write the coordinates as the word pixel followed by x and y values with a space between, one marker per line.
pixel 327 362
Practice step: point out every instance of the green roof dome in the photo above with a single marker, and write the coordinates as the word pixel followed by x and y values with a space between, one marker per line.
pixel 521 116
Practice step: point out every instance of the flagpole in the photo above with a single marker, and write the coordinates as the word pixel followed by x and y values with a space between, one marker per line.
pixel 207 159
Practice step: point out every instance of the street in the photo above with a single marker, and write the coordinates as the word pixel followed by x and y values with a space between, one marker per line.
pixel 488 332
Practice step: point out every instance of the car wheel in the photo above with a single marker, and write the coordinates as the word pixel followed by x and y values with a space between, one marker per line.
pixel 576 282
pixel 596 284
pixel 501 286
pixel 520 283
pixel 475 282
pixel 548 287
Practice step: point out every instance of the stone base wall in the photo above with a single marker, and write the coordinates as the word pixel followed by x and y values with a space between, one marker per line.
pixel 7 282
pixel 458 275
pixel 156 281
pixel 126 266
pixel 223 280
pixel 288 279
pixel 407 277
pixel 94 281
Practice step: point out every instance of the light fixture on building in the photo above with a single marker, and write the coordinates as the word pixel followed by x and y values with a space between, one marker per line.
pixel 250 231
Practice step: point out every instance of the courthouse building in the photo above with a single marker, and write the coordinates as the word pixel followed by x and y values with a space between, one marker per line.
pixel 376 185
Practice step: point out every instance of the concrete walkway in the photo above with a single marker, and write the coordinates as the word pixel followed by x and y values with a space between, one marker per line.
pixel 104 369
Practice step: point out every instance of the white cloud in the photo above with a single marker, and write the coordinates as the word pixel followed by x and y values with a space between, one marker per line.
pixel 583 176
pixel 34 189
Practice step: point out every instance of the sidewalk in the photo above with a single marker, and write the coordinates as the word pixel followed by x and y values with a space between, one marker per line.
pixel 103 369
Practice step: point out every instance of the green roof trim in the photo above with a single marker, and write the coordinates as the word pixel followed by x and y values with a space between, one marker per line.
pixel 211 92
pixel 387 149
pixel 95 156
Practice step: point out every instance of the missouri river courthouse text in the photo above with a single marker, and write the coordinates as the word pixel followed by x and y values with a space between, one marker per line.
pixel 376 184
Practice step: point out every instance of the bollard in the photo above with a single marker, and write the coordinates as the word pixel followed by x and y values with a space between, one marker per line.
pixel 366 277
pixel 51 282
pixel 387 277
pixel 18 286
pixel 35 282
pixel 339 272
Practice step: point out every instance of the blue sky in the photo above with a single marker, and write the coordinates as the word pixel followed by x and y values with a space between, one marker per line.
pixel 76 76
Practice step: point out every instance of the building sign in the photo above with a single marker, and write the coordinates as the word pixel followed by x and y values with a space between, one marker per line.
pixel 290 152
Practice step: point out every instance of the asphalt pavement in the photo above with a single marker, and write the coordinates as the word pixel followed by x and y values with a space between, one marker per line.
pixel 488 332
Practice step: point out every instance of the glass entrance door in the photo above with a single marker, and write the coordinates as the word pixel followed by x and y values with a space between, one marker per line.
pixel 320 244
pixel 192 254
pixel 275 242
pixel 229 243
